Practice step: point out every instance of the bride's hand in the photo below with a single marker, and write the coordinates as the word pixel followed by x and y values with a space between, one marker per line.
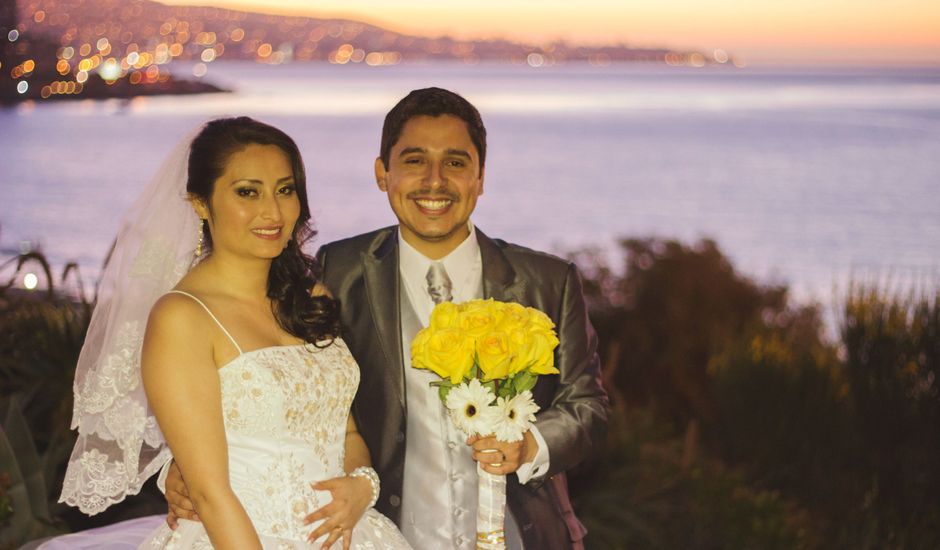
pixel 351 497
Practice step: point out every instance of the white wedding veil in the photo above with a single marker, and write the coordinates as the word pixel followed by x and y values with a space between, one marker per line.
pixel 119 444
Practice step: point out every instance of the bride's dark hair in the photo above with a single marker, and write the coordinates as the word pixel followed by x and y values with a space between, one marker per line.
pixel 293 273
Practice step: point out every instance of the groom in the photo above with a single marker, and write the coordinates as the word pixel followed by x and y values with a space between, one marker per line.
pixel 431 167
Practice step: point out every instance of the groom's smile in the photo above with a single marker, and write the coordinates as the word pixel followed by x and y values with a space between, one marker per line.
pixel 433 204
pixel 432 181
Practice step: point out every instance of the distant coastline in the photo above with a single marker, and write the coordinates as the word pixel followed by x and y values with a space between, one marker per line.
pixel 98 49
pixel 99 89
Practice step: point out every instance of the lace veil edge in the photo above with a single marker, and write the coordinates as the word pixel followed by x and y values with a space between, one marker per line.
pixel 119 443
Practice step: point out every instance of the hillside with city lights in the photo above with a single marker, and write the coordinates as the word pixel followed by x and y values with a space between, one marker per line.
pixel 67 49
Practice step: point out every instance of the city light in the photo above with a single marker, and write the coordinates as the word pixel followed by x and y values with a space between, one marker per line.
pixel 535 60
pixel 30 281
pixel 110 70
pixel 22 87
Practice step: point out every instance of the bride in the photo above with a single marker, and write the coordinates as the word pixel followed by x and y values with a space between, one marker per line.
pixel 238 368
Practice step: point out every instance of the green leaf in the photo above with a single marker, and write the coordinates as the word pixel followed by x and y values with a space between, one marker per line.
pixel 442 391
pixel 443 388
pixel 524 381
pixel 23 525
pixel 24 450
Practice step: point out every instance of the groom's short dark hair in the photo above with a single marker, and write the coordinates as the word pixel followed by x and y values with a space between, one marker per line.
pixel 432 102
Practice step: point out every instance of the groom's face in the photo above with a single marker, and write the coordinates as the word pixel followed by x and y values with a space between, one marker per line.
pixel 432 181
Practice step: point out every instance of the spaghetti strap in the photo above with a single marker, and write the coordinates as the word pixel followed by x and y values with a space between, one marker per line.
pixel 214 318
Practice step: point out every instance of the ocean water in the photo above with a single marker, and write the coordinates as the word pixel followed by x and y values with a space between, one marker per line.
pixel 809 177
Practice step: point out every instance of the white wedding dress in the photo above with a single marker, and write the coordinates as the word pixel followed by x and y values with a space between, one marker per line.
pixel 285 410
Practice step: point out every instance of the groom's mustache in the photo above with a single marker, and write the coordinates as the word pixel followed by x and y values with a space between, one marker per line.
pixel 429 194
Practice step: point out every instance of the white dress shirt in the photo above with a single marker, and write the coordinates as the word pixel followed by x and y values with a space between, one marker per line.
pixel 439 495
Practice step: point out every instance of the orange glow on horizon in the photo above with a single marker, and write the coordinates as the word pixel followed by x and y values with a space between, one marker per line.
pixel 899 31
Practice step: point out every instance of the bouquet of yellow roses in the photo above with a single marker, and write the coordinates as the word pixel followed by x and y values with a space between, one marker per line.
pixel 489 355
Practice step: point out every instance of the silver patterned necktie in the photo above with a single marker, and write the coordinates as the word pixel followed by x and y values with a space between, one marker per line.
pixel 439 285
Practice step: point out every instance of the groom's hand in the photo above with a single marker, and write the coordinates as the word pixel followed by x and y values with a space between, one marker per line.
pixel 501 458
pixel 177 498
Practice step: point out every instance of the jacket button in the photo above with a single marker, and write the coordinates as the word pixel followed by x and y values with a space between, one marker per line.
pixel 400 437
pixel 394 500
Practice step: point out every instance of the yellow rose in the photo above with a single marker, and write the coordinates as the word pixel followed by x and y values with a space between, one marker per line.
pixel 419 348
pixel 541 351
pixel 514 317
pixel 445 315
pixel 521 350
pixel 539 320
pixel 446 352
pixel 478 317
pixel 494 354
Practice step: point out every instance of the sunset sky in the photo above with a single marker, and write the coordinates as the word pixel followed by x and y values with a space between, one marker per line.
pixel 791 31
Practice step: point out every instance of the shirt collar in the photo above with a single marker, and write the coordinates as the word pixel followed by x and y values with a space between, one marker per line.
pixel 414 265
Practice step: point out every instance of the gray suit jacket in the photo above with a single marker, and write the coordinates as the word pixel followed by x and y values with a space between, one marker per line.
pixel 362 273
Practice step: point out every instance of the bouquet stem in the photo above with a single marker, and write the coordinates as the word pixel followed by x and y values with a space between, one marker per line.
pixel 491 511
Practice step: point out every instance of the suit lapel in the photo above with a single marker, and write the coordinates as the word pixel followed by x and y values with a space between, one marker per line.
pixel 499 278
pixel 380 266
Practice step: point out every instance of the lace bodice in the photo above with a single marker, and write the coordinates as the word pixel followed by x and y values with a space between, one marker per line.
pixel 285 411
pixel 293 394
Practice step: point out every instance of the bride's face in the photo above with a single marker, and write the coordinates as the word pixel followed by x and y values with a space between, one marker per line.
pixel 254 205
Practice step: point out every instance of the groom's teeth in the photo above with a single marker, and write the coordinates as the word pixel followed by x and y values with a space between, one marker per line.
pixel 433 205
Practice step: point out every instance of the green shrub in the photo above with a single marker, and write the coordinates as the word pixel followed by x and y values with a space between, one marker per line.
pixel 847 432
pixel 673 309
pixel 655 493
pixel 891 346
pixel 25 506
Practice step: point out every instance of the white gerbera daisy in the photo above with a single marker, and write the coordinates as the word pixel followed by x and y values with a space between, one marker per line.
pixel 469 406
pixel 515 416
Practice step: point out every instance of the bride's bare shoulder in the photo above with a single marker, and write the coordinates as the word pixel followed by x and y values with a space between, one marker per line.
pixel 176 312
pixel 177 333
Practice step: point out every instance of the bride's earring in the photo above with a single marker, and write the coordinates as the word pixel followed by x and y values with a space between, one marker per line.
pixel 202 237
